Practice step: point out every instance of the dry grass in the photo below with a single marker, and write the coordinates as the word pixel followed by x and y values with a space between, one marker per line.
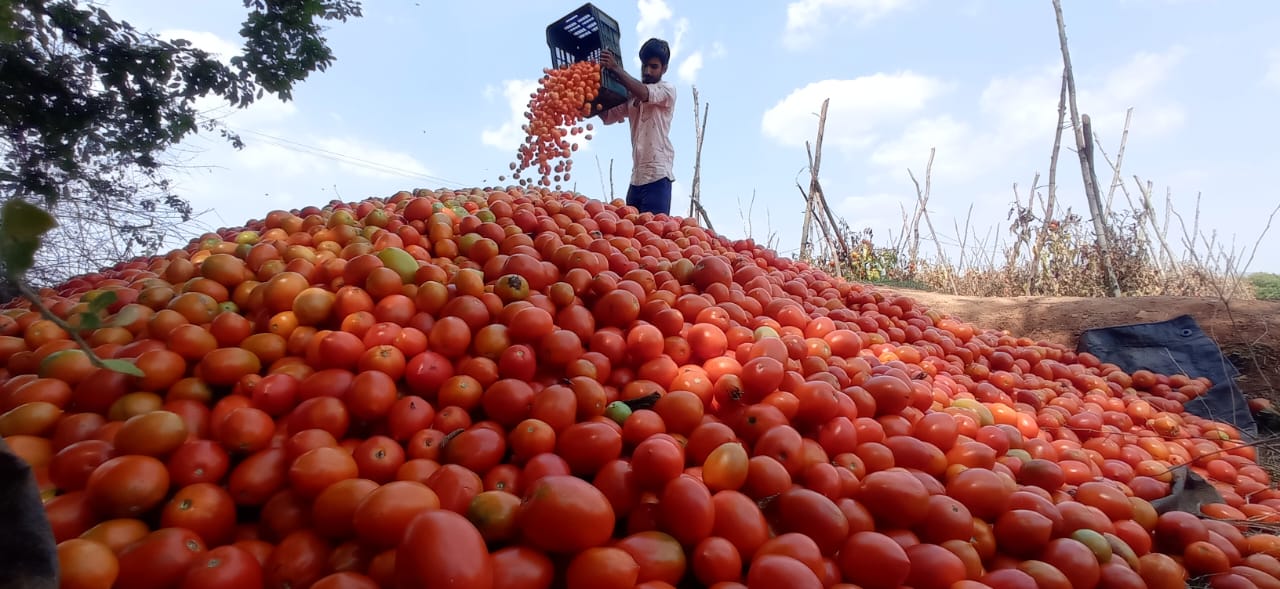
pixel 1054 253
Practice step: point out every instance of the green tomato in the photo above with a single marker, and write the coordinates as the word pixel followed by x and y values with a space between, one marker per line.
pixel 618 412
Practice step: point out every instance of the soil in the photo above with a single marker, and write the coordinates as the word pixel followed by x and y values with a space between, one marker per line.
pixel 1248 332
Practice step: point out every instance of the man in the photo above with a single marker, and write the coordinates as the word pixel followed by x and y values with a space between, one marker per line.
pixel 649 106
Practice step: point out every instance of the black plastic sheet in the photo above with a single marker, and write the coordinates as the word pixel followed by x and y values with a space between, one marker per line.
pixel 1177 346
pixel 28 557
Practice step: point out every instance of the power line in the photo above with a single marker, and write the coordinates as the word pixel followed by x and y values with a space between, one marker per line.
pixel 303 148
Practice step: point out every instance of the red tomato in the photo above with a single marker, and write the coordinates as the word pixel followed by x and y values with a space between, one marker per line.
pixel 224 566
pixel 299 560
pixel 772 570
pixel 565 514
pixel 160 559
pixel 203 508
pixel 423 560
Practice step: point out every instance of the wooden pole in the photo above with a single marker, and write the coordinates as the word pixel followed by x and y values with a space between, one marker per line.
pixel 1084 149
pixel 813 182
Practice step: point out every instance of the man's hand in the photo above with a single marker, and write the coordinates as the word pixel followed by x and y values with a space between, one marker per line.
pixel 609 61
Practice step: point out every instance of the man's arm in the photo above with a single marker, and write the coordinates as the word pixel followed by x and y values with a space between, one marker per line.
pixel 635 88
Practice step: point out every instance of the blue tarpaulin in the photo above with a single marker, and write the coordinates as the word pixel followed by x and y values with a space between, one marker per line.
pixel 1177 346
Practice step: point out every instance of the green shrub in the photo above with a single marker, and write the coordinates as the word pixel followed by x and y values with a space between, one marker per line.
pixel 1266 285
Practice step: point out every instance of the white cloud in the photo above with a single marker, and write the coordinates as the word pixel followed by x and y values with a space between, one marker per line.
pixel 1272 76
pixel 859 111
pixel 508 136
pixel 216 46
pixel 266 111
pixel 688 70
pixel 287 168
pixel 1139 76
pixel 810 19
pixel 1017 113
pixel 288 160
pixel 652 14
pixel 718 50
pixel 678 34
pixel 911 149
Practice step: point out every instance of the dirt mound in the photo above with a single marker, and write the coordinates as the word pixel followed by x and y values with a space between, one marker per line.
pixel 1247 331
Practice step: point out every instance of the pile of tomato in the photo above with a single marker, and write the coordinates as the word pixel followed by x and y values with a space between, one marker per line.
pixel 556 112
pixel 511 388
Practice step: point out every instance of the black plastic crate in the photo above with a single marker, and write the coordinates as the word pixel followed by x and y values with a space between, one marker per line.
pixel 581 35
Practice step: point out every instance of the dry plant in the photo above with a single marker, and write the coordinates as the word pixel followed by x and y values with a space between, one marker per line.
pixel 1050 250
pixel 1113 249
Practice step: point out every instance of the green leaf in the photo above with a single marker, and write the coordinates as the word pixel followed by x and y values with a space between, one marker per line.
pixel 18 254
pixel 87 321
pixel 123 367
pixel 100 302
pixel 23 220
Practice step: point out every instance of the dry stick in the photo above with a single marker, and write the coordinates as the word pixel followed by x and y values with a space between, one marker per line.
pixel 1115 178
pixel 923 199
pixel 1083 150
pixel 963 238
pixel 1052 188
pixel 815 188
pixel 700 133
pixel 815 161
pixel 821 219
pixel 1024 229
pixel 813 180
pixel 1150 213
pixel 902 237
pixel 920 210
pixel 1151 254
pixel 993 237
pixel 1253 353
pixel 1124 188
pixel 1190 242
pixel 1195 227
pixel 831 218
pixel 746 217
pixel 1107 237
pixel 1265 230
pixel 826 234
pixel 697 157
pixel 1017 208
pixel 600 172
pixel 914 251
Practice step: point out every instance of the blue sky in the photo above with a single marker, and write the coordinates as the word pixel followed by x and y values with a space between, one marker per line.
pixel 427 94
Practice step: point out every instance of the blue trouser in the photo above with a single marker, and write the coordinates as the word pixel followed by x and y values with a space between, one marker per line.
pixel 654 197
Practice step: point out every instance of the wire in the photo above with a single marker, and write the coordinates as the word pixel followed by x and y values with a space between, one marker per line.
pixel 341 157
pixel 303 148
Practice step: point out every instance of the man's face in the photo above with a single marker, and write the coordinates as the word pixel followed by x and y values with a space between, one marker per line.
pixel 651 71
